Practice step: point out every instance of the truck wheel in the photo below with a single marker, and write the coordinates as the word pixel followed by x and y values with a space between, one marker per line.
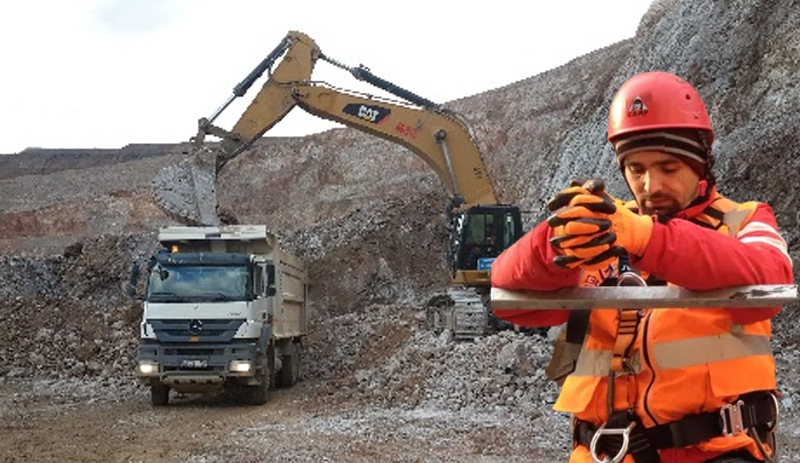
pixel 257 394
pixel 159 395
pixel 290 366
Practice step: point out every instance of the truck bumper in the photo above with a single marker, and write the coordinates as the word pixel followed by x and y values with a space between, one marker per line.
pixel 196 367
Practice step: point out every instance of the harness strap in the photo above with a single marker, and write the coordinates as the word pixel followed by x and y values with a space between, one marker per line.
pixel 626 332
pixel 756 412
pixel 577 326
pixel 627 329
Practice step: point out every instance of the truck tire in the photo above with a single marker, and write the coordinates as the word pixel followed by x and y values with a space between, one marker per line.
pixel 159 395
pixel 258 393
pixel 290 366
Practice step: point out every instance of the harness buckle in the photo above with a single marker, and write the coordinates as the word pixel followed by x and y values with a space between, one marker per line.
pixel 731 416
pixel 631 279
pixel 601 431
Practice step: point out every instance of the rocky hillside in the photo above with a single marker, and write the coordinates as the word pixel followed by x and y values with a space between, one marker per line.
pixel 367 214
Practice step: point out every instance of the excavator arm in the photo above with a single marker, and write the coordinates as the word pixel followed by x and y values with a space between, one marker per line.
pixel 436 136
pixel 273 102
pixel 187 190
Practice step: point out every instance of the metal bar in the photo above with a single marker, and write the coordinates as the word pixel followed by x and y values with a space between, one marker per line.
pixel 637 297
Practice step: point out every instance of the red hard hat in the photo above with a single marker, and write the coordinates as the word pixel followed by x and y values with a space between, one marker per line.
pixel 657 101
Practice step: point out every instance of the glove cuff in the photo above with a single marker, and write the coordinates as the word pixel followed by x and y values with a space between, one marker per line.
pixel 644 231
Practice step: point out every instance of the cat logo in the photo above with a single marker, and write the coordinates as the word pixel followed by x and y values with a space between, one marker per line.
pixel 638 108
pixel 369 113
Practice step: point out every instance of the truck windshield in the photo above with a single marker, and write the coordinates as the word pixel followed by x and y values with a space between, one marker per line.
pixel 185 283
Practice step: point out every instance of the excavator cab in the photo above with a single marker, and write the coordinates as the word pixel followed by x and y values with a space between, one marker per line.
pixel 480 234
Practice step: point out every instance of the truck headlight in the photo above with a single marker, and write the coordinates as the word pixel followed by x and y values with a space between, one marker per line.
pixel 147 368
pixel 240 366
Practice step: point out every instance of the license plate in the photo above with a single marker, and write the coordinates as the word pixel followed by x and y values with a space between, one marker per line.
pixel 194 364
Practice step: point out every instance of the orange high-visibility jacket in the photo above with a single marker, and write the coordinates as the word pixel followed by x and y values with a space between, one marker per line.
pixel 685 361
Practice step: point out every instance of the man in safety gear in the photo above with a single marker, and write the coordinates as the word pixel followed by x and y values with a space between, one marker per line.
pixel 659 385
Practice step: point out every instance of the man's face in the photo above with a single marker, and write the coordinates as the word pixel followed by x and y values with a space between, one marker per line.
pixel 661 182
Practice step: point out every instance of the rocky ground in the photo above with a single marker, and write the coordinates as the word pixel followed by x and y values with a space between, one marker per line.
pixel 377 383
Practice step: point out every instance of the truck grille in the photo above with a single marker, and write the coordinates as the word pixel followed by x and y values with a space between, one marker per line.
pixel 195 330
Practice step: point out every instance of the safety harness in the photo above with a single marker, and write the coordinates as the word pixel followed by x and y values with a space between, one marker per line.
pixel 755 413
pixel 623 433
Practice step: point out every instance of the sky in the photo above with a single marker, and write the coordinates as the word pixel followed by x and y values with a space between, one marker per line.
pixel 106 73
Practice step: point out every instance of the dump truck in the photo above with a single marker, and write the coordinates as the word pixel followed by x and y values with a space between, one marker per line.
pixel 224 307
pixel 481 224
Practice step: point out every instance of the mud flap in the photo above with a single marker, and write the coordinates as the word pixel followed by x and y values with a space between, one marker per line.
pixel 187 190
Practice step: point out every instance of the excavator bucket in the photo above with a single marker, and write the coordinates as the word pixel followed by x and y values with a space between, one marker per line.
pixel 186 191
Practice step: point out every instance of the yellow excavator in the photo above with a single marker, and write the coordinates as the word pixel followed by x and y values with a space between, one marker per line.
pixel 481 225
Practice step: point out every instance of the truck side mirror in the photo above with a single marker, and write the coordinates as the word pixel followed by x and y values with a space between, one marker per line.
pixel 133 280
pixel 270 280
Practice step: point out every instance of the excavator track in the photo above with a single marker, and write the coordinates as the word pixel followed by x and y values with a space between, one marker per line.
pixel 465 315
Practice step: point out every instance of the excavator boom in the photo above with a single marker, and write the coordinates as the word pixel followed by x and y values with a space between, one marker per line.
pixel 187 190
pixel 437 137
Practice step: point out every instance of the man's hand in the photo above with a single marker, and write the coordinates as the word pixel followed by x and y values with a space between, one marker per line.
pixel 590 258
pixel 576 227
pixel 632 231
pixel 581 231
pixel 576 187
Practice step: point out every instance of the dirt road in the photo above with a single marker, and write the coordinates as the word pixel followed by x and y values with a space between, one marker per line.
pixel 88 422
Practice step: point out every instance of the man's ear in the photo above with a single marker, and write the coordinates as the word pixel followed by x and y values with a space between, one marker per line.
pixel 702 188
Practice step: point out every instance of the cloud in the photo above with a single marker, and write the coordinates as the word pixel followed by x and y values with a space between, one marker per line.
pixel 135 18
pixel 105 73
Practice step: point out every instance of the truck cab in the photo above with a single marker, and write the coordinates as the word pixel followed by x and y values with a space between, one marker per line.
pixel 224 307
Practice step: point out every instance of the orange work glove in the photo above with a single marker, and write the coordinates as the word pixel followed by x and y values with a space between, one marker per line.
pixel 594 256
pixel 581 232
pixel 573 227
pixel 632 231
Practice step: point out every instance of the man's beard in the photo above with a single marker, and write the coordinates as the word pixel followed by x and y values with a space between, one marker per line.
pixel 659 204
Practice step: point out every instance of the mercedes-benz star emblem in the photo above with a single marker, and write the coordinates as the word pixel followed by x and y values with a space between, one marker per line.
pixel 195 327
